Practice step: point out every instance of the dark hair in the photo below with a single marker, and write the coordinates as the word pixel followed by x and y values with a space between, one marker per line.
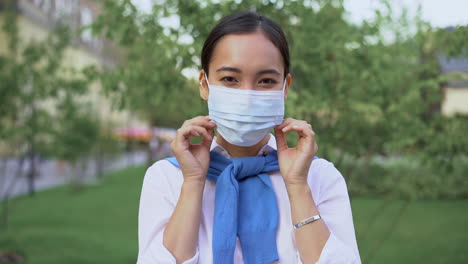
pixel 245 22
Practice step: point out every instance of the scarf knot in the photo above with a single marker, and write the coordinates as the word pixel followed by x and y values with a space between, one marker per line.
pixel 241 168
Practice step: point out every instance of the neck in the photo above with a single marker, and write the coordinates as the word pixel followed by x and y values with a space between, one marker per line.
pixel 238 151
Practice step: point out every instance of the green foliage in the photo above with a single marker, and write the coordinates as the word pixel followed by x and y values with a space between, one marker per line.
pixel 363 93
pixel 446 143
pixel 369 90
pixel 41 109
pixel 76 132
pixel 453 42
pixel 149 78
pixel 30 74
pixel 408 177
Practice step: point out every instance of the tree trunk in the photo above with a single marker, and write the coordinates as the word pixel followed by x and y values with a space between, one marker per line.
pixel 6 196
pixel 32 172
pixel 3 174
pixel 99 164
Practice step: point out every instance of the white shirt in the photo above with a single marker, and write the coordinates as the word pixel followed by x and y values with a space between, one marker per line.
pixel 161 190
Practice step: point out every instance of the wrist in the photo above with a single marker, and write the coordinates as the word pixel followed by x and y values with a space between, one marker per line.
pixel 301 201
pixel 296 182
pixel 298 188
pixel 193 184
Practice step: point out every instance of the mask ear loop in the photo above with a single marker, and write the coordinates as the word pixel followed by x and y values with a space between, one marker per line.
pixel 284 85
pixel 206 78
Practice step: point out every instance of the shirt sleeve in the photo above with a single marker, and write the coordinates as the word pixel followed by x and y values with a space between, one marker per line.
pixel 335 209
pixel 157 202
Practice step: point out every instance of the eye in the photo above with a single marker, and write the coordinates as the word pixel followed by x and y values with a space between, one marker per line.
pixel 268 81
pixel 228 79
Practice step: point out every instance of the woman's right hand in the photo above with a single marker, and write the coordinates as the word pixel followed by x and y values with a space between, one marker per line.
pixel 194 159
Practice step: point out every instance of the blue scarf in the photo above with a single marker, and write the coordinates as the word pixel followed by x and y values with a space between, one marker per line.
pixel 245 206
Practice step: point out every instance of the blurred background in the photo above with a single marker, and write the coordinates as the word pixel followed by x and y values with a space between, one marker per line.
pixel 91 93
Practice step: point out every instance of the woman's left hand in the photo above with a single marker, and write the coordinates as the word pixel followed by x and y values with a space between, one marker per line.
pixel 295 162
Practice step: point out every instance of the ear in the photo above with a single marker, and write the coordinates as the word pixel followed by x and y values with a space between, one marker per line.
pixel 204 90
pixel 288 83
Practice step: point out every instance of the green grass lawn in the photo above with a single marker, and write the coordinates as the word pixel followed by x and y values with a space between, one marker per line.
pixel 99 225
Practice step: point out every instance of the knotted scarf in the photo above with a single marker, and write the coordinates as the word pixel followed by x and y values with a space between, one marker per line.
pixel 245 206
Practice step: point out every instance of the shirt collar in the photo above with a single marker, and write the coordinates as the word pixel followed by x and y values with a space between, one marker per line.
pixel 267 148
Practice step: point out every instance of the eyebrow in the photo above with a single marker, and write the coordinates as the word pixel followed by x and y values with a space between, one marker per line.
pixel 237 70
pixel 231 69
pixel 268 71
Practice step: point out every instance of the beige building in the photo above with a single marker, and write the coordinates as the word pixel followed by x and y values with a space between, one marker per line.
pixel 455 92
pixel 36 20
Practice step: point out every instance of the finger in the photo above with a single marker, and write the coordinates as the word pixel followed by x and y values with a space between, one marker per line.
pixel 303 130
pixel 207 143
pixel 200 121
pixel 306 137
pixel 211 131
pixel 289 126
pixel 204 121
pixel 210 126
pixel 286 122
pixel 281 143
pixel 181 139
pixel 183 134
pixel 203 132
pixel 194 133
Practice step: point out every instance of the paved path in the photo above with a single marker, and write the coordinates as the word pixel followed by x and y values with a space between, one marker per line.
pixel 53 172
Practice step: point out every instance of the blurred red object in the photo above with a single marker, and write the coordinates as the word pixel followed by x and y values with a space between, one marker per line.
pixel 145 134
pixel 134 133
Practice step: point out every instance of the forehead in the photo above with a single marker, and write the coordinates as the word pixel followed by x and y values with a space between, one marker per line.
pixel 249 52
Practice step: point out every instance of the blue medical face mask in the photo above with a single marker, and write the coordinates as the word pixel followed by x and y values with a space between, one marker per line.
pixel 244 117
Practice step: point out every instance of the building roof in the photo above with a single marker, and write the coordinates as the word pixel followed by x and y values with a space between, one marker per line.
pixel 454 65
pixel 448 65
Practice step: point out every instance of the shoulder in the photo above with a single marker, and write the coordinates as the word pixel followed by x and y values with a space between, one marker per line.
pixel 323 166
pixel 163 174
pixel 325 178
pixel 160 190
pixel 161 166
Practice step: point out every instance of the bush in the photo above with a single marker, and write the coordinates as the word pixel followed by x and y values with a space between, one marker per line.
pixel 405 178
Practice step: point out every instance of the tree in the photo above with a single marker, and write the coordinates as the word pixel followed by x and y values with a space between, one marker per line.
pixel 370 89
pixel 30 71
pixel 148 79
pixel 33 84
pixel 76 133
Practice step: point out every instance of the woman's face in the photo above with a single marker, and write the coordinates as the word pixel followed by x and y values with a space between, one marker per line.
pixel 245 61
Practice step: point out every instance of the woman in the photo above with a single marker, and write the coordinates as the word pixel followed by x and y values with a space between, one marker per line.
pixel 245 196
